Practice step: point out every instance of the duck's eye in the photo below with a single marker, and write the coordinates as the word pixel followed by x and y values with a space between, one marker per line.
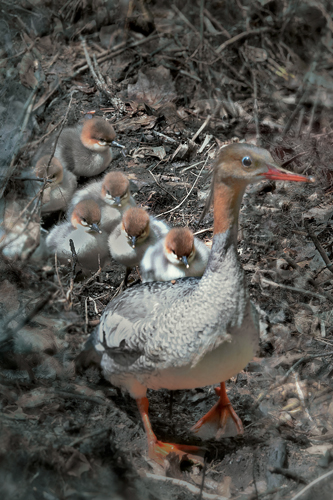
pixel 108 192
pixel 102 142
pixel 84 222
pixel 174 253
pixel 246 161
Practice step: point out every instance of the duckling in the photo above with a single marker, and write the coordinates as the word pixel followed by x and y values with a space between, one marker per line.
pixel 83 229
pixel 132 237
pixel 178 255
pixel 85 150
pixel 57 195
pixel 20 231
pixel 195 331
pixel 113 196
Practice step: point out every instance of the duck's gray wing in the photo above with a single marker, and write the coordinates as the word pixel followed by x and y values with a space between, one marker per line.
pixel 130 318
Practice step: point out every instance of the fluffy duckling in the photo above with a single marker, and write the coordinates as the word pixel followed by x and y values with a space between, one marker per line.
pixel 85 150
pixel 131 238
pixel 84 231
pixel 178 255
pixel 57 195
pixel 113 196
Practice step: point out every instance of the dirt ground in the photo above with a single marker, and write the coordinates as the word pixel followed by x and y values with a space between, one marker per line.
pixel 177 81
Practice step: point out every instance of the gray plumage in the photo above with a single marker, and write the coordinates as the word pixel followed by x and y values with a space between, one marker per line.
pixel 184 335
pixel 74 155
pixel 88 245
pixel 58 197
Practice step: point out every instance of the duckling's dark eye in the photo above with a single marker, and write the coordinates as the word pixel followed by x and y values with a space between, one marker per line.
pixel 247 162
pixel 83 220
pixel 174 253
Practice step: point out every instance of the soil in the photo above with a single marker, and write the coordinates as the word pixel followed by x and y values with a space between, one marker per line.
pixel 70 435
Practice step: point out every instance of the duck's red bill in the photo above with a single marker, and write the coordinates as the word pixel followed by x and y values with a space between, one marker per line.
pixel 275 174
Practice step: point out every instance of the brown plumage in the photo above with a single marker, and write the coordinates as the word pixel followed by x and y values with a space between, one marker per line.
pixel 180 241
pixel 86 211
pixel 96 131
pixel 115 184
pixel 135 221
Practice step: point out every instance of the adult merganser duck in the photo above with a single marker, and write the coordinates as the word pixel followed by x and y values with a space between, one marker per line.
pixel 113 196
pixel 178 255
pixel 57 195
pixel 84 231
pixel 84 150
pixel 197 331
pixel 131 238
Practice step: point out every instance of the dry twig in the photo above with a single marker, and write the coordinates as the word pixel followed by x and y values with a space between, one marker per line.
pixel 293 289
pixel 184 484
pixel 306 358
pixel 188 194
pixel 313 483
pixel 318 246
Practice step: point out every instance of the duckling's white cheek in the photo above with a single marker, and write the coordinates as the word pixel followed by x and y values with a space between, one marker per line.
pixel 172 258
pixel 109 200
pixel 100 148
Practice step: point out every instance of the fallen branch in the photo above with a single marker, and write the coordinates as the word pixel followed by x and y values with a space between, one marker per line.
pixel 184 484
pixel 306 358
pixel 88 436
pixel 245 34
pixel 318 246
pixel 293 289
pixel 313 483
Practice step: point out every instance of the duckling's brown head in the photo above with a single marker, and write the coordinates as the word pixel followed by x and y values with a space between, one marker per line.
pixel 87 214
pixel 115 189
pixel 97 134
pixel 246 163
pixel 179 246
pixel 54 173
pixel 135 223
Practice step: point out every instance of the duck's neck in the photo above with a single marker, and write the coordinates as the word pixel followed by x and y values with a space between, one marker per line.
pixel 227 202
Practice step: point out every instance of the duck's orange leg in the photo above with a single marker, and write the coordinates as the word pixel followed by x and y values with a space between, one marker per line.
pixel 157 450
pixel 221 421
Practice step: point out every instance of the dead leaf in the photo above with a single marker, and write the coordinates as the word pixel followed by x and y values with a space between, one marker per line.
pixel 9 296
pixel 321 214
pixel 185 151
pixel 20 415
pixel 172 117
pixel 77 464
pixel 255 54
pixel 224 488
pixel 319 449
pixel 35 398
pixel 149 151
pixel 136 123
pixel 27 68
pixel 153 87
